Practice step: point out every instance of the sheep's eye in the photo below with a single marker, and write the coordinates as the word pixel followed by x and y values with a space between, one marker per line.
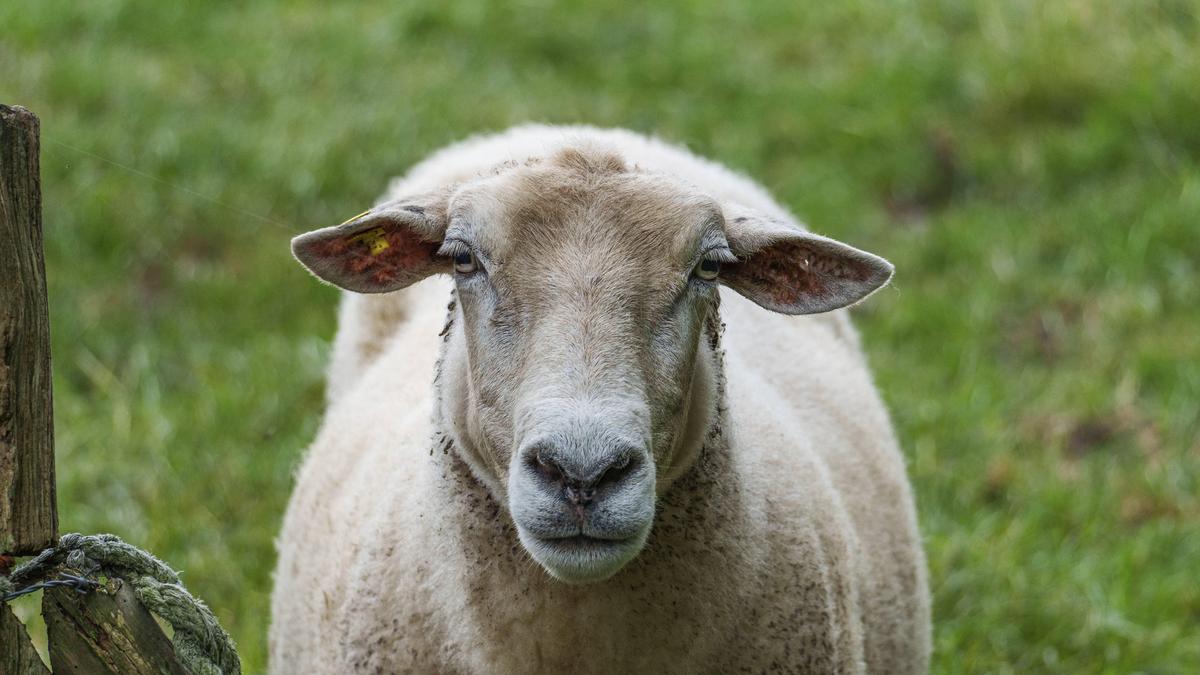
pixel 707 269
pixel 465 262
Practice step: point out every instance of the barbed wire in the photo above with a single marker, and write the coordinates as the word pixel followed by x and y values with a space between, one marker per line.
pixel 80 584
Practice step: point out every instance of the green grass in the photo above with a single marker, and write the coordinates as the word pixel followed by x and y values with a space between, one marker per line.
pixel 1033 169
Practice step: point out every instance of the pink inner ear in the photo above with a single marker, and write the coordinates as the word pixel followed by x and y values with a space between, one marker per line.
pixel 791 271
pixel 382 257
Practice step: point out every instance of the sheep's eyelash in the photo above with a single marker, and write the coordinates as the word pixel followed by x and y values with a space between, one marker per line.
pixel 453 247
pixel 720 253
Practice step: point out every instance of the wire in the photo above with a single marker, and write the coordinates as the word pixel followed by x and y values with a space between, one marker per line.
pixel 80 584
pixel 174 186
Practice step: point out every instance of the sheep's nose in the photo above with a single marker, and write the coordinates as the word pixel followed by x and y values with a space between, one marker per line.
pixel 582 476
pixel 578 493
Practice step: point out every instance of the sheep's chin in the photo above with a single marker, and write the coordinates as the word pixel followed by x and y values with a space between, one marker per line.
pixel 580 560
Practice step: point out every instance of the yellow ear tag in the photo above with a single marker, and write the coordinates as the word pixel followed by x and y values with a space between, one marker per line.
pixel 374 239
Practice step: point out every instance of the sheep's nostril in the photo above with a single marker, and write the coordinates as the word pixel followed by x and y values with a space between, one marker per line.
pixel 617 470
pixel 545 466
pixel 578 478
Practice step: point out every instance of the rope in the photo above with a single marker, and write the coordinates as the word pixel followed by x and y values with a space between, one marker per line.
pixel 201 645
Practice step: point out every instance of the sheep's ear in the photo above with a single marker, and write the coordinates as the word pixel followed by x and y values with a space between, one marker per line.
pixel 385 249
pixel 788 270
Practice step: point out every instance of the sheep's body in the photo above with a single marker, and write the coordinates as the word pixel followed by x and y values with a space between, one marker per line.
pixel 791 545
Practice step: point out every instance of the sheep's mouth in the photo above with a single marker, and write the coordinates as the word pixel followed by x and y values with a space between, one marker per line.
pixel 582 542
pixel 586 540
pixel 580 558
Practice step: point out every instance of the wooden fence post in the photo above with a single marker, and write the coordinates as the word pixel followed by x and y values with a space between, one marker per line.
pixel 17 655
pixel 28 509
pixel 106 632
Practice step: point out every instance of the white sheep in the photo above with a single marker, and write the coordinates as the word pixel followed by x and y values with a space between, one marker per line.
pixel 576 469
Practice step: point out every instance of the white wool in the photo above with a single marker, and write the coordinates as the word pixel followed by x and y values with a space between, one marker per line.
pixel 796 549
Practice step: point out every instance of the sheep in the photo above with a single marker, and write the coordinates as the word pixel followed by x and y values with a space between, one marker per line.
pixel 589 436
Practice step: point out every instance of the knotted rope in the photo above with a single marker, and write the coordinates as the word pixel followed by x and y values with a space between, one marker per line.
pixel 201 645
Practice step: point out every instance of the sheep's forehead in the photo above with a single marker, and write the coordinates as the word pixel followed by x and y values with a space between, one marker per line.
pixel 576 209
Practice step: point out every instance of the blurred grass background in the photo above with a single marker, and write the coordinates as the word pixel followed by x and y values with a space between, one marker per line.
pixel 1033 169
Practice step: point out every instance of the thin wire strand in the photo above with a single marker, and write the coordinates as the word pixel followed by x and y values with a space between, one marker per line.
pixel 174 186
pixel 80 584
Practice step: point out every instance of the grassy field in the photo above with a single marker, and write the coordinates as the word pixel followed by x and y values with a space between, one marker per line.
pixel 1033 170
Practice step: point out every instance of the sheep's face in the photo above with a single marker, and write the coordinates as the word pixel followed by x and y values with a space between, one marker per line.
pixel 583 291
pixel 577 382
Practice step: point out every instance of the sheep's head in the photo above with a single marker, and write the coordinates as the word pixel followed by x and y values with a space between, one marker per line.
pixel 577 380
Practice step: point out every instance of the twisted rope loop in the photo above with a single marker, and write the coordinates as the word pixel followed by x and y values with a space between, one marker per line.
pixel 201 645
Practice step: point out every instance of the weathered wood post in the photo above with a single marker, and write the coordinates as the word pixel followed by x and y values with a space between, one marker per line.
pixel 17 654
pixel 107 631
pixel 28 509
